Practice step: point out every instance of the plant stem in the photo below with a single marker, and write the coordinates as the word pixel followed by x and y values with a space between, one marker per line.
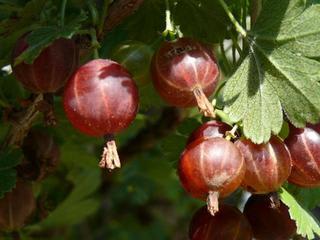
pixel 21 128
pixel 169 25
pixel 244 14
pixel 94 43
pixel 235 42
pixel 225 59
pixel 93 12
pixel 63 12
pixel 238 27
pixel 231 134
pixel 103 16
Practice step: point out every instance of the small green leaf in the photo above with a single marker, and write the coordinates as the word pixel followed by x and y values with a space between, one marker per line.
pixel 307 225
pixel 9 158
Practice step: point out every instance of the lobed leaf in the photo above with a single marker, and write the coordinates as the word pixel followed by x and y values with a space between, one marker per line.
pixel 273 78
pixel 307 225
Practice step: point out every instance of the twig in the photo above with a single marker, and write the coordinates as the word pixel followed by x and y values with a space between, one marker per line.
pixel 237 26
pixel 117 12
pixel 20 129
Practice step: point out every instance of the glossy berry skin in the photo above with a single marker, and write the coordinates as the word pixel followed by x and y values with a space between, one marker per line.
pixel 16 207
pixel 209 130
pixel 180 66
pixel 50 70
pixel 267 221
pixel 101 98
pixel 213 164
pixel 268 165
pixel 304 146
pixel 228 223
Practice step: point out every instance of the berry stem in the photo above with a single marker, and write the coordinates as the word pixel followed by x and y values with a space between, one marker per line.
pixel 169 25
pixel 204 105
pixel 63 12
pixel 238 27
pixel 110 158
pixel 103 16
pixel 170 32
pixel 213 202
pixel 275 200
pixel 232 133
pixel 47 108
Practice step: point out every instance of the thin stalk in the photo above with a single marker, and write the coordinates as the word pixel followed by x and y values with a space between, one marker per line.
pixel 63 12
pixel 238 27
pixel 103 16
pixel 231 134
pixel 234 60
pixel 244 14
pixel 224 59
pixel 235 43
pixel 94 43
pixel 169 25
pixel 93 12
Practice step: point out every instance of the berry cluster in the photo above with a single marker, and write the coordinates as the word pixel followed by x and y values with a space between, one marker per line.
pixel 101 98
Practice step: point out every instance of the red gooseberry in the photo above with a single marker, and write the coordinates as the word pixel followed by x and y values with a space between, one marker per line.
pixel 50 70
pixel 211 168
pixel 268 165
pixel 185 73
pixel 228 223
pixel 304 146
pixel 101 99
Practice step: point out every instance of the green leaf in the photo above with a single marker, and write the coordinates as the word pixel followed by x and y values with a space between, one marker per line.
pixel 27 19
pixel 44 36
pixel 309 197
pixel 272 78
pixel 9 158
pixel 307 225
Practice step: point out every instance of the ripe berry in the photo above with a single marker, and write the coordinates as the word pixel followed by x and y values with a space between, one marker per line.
pixel 211 168
pixel 208 130
pixel 228 223
pixel 50 70
pixel 268 221
pixel 304 146
pixel 268 164
pixel 136 57
pixel 42 156
pixel 16 207
pixel 101 99
pixel 185 73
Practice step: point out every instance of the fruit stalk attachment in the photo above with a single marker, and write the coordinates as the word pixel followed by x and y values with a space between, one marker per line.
pixel 212 202
pixel 204 105
pixel 110 158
